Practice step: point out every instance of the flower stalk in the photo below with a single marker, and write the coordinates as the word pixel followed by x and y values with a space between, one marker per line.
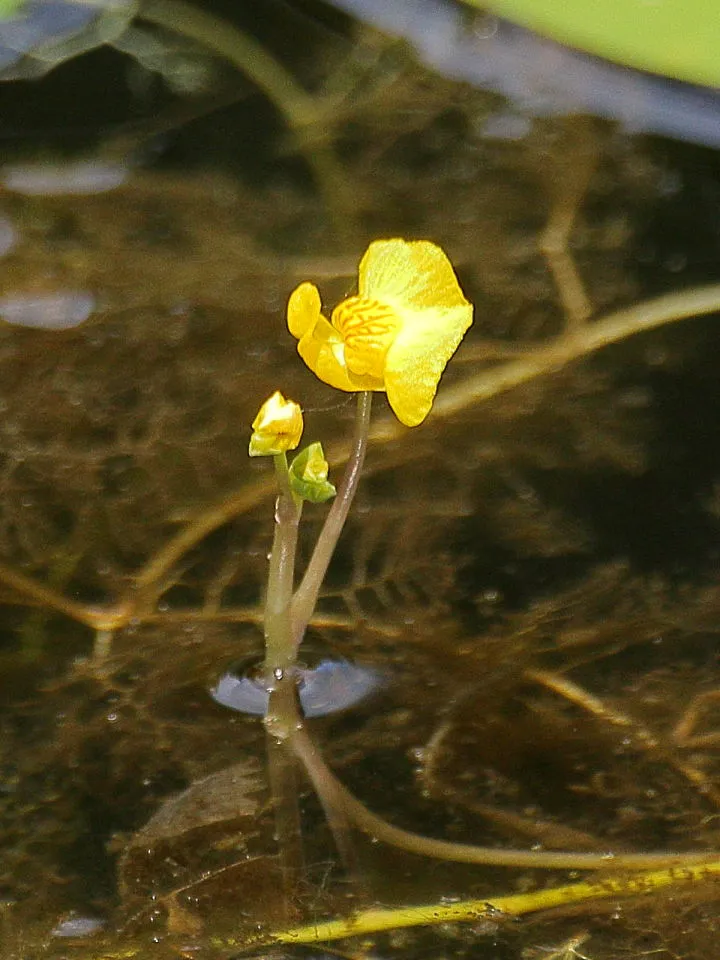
pixel 279 676
pixel 305 598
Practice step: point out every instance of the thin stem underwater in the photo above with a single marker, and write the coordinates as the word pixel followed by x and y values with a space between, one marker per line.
pixel 497 909
pixel 324 779
pixel 296 105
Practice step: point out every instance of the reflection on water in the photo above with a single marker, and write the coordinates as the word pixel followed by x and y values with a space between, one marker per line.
pixel 77 926
pixel 542 78
pixel 329 686
pixel 78 178
pixel 49 311
pixel 537 573
pixel 39 34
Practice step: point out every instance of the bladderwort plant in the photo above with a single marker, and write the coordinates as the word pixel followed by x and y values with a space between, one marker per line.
pixel 395 336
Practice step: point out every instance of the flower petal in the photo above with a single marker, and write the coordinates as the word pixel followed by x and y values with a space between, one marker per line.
pixel 303 309
pixel 418 356
pixel 323 350
pixel 414 274
pixel 367 328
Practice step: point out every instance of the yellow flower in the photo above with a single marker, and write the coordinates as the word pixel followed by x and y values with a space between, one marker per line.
pixel 396 335
pixel 277 427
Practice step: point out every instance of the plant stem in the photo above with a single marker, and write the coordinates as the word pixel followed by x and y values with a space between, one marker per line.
pixel 279 674
pixel 324 780
pixel 306 596
pixel 279 651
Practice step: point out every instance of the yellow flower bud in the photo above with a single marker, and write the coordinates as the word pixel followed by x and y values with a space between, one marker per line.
pixel 277 427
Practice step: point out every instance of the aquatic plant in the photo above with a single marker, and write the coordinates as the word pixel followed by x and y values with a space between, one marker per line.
pixel 287 614
pixel 397 282
pixel 130 507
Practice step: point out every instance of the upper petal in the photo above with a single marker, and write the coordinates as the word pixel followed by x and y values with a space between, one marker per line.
pixel 415 274
pixel 303 309
pixel 418 356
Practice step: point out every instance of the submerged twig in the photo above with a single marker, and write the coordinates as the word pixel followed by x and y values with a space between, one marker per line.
pixel 643 737
pixel 494 909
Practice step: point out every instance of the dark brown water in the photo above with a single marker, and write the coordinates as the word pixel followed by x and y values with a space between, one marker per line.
pixel 534 577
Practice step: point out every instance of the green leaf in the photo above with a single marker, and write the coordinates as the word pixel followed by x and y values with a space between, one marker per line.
pixel 677 38
pixel 8 8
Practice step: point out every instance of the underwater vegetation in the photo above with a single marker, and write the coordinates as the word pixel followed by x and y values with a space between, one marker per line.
pixel 276 672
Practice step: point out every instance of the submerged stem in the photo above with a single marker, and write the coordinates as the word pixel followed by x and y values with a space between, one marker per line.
pixel 367 821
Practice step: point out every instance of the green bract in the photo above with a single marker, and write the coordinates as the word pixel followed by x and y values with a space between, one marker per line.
pixel 308 475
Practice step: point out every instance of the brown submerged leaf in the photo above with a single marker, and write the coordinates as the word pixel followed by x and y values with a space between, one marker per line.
pixel 203 852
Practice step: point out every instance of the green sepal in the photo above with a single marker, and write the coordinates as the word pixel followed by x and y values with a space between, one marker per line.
pixel 308 475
